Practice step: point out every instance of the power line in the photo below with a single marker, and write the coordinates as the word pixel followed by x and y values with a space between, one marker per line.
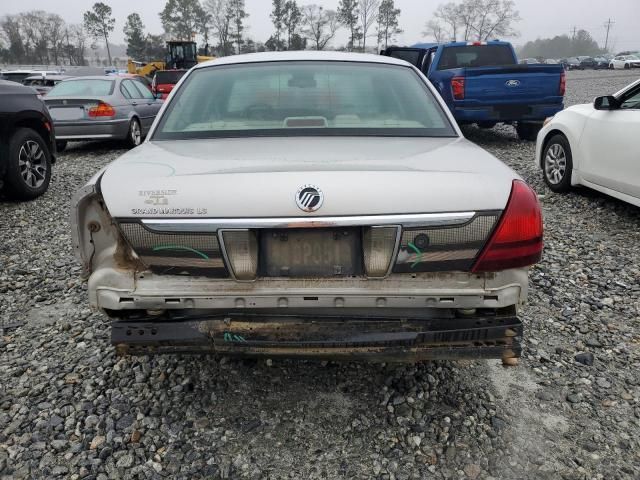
pixel 607 25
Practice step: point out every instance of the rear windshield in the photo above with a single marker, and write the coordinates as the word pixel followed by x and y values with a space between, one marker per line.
pixel 92 87
pixel 303 98
pixel 476 56
pixel 169 77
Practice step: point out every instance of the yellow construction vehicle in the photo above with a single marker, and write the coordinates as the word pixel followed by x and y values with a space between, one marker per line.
pixel 180 55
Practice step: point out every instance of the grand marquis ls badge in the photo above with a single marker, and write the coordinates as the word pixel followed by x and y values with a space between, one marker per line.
pixel 309 198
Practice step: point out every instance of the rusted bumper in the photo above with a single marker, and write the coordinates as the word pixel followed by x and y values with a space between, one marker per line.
pixel 378 339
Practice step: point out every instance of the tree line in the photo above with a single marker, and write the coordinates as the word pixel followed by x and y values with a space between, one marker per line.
pixel 561 46
pixel 221 27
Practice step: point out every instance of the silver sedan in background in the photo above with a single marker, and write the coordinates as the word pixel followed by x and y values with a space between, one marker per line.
pixel 100 108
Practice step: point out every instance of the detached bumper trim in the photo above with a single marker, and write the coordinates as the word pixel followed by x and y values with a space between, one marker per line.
pixel 330 337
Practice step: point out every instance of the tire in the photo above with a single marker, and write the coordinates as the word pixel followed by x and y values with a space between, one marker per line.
pixel 626 66
pixel 486 125
pixel 61 145
pixel 557 164
pixel 528 131
pixel 134 135
pixel 29 167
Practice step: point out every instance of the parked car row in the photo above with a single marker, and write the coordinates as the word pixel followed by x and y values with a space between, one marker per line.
pixel 40 114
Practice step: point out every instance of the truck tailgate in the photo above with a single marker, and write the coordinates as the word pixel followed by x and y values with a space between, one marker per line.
pixel 513 84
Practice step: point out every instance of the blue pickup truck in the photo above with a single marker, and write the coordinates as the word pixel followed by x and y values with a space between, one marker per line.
pixel 483 83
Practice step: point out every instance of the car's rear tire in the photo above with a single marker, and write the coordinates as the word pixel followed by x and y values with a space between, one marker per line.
pixel 486 125
pixel 61 145
pixel 557 164
pixel 627 66
pixel 528 130
pixel 29 167
pixel 134 136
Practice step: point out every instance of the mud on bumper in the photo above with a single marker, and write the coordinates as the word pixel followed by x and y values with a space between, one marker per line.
pixel 378 339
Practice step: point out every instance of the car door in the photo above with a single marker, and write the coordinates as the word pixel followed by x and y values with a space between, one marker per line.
pixel 610 146
pixel 140 103
pixel 149 103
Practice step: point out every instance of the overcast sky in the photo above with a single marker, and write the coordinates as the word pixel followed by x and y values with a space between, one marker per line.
pixel 540 18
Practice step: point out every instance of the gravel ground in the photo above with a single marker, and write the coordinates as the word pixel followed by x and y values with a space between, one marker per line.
pixel 69 408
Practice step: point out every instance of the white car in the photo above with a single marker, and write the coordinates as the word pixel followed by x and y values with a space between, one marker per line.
pixel 624 62
pixel 595 145
pixel 309 204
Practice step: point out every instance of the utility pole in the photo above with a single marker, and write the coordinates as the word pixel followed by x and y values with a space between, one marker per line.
pixel 573 33
pixel 607 25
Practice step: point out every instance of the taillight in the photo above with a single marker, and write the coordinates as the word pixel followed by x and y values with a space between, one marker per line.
pixel 457 87
pixel 102 110
pixel 563 84
pixel 517 240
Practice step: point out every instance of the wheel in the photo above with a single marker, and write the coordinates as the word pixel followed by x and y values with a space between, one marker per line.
pixel 557 164
pixel 29 167
pixel 134 137
pixel 626 66
pixel 61 145
pixel 528 130
pixel 486 125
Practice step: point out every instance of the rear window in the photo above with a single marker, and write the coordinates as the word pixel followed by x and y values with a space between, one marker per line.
pixel 90 87
pixel 15 77
pixel 411 56
pixel 303 98
pixel 169 77
pixel 476 56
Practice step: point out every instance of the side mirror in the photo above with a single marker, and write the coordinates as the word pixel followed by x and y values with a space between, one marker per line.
pixel 607 102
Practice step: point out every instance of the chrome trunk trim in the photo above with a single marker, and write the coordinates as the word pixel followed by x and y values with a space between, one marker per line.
pixel 214 224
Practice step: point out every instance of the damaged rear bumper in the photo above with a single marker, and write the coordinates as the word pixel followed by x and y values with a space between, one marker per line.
pixel 377 339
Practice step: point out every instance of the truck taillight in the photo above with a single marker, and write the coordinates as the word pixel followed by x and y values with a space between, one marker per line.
pixel 457 87
pixel 563 84
pixel 517 240
pixel 101 110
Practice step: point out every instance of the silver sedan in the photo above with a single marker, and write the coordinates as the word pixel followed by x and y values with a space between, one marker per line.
pixel 309 204
pixel 95 108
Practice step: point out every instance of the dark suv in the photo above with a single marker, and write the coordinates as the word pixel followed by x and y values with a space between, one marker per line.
pixel 27 142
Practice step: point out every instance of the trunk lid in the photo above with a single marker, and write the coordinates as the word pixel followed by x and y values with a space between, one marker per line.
pixel 71 108
pixel 259 177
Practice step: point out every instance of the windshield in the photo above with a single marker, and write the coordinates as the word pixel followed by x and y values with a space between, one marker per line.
pixel 476 56
pixel 92 87
pixel 169 76
pixel 303 98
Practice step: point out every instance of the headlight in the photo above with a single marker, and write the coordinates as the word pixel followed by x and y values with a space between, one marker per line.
pixel 547 120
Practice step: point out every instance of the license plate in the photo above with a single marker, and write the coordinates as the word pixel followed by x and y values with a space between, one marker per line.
pixel 310 253
pixel 68 113
pixel 510 111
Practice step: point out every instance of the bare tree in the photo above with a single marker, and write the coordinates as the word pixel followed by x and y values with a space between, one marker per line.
pixel 434 29
pixel 55 27
pixel 75 40
pixel 495 19
pixel 367 10
pixel 221 16
pixel 475 19
pixel 320 25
